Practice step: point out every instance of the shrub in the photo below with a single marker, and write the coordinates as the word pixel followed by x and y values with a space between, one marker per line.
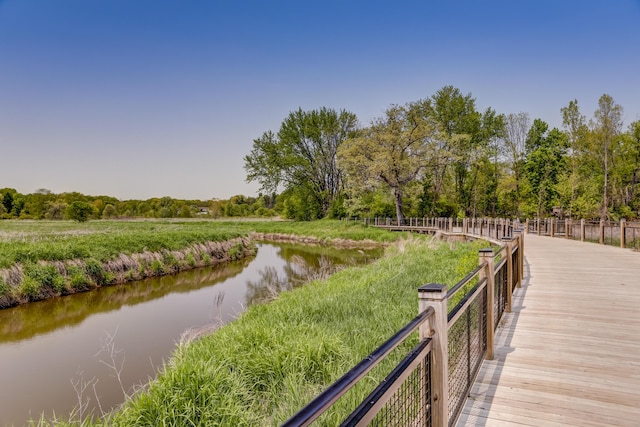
pixel 45 276
pixel 109 211
pixel 157 267
pixel 79 211
pixel 78 279
pixel 94 269
pixel 170 262
pixel 30 287
pixel 190 259
pixel 206 258
pixel 236 251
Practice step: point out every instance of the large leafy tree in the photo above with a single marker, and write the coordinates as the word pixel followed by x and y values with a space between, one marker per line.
pixel 391 153
pixel 301 158
pixel 516 129
pixel 464 141
pixel 544 164
pixel 607 125
pixel 576 129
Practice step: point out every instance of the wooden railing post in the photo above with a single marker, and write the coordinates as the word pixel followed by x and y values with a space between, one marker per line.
pixel 435 295
pixel 450 225
pixel 623 236
pixel 582 230
pixel 567 228
pixel 552 221
pixel 488 272
pixel 602 232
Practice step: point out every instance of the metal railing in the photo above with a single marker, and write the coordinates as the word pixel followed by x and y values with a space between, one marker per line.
pixel 456 326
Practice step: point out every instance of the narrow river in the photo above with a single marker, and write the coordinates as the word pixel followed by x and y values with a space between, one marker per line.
pixel 66 354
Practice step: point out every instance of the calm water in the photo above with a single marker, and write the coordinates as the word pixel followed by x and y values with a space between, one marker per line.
pixel 47 348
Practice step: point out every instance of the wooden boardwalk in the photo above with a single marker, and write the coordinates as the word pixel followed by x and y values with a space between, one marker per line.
pixel 569 353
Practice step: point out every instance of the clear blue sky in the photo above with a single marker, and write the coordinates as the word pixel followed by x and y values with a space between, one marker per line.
pixel 147 98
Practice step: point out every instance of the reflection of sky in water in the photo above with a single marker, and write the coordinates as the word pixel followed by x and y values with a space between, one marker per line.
pixel 36 372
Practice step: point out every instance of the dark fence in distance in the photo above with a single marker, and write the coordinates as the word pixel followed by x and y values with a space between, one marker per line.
pixel 456 329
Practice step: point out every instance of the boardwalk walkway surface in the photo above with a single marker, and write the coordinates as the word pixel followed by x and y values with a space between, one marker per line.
pixel 569 353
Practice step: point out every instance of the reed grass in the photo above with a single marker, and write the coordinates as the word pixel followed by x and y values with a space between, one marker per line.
pixel 263 367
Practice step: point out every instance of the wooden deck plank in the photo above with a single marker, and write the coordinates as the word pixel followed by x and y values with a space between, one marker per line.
pixel 569 353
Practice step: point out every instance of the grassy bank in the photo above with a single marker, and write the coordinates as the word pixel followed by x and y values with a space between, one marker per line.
pixel 266 365
pixel 41 259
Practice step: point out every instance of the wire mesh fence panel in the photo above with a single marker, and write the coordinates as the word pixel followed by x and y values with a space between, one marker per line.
pixel 575 230
pixel 477 323
pixel 592 231
pixel 632 236
pixel 410 404
pixel 467 346
pixel 516 268
pixel 458 364
pixel 612 234
pixel 500 292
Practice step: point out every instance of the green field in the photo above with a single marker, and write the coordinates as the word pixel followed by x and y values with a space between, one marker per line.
pixel 30 241
pixel 43 259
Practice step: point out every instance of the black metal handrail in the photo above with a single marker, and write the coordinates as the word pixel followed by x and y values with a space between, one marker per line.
pixel 322 402
pixel 386 387
pixel 452 291
pixel 464 302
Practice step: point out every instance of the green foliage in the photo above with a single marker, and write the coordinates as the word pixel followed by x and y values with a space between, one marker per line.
pixel 190 259
pixel 30 287
pixel 300 204
pixel 390 154
pixel 543 164
pixel 157 267
pixel 40 277
pixel 78 279
pixel 109 211
pixel 303 154
pixel 236 252
pixel 7 200
pixel 79 211
pixel 95 271
pixel 206 259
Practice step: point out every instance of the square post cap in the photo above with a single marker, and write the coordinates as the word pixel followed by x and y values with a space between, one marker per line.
pixel 432 288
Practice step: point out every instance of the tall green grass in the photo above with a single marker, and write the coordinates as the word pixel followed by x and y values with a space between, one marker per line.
pixel 32 241
pixel 86 248
pixel 263 367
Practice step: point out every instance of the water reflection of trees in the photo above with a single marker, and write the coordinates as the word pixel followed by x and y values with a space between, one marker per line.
pixel 298 270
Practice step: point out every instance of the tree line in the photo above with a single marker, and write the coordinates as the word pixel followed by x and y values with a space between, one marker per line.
pixel 441 156
pixel 44 204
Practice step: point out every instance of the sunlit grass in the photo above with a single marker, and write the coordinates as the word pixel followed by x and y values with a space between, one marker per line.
pixel 31 241
pixel 263 367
